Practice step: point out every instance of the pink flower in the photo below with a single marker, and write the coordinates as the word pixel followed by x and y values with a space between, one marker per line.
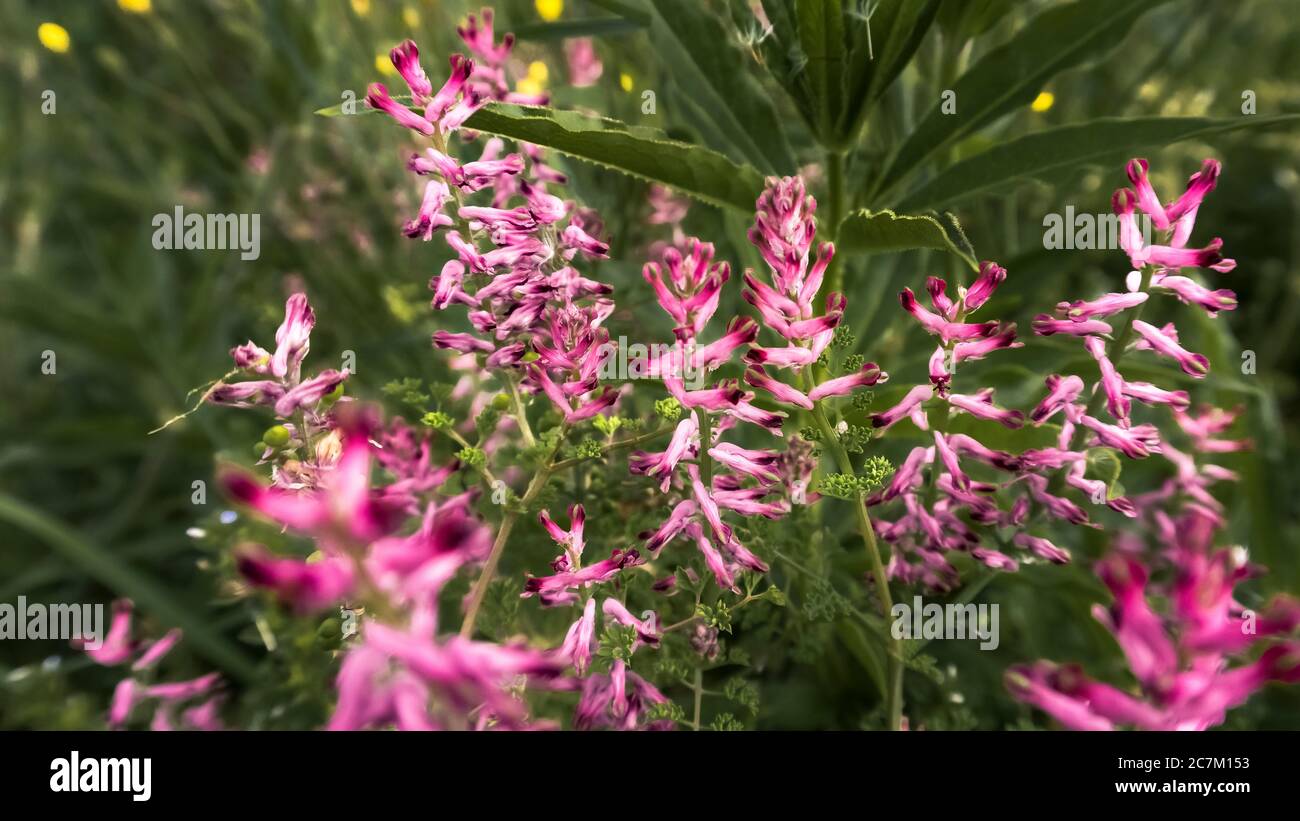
pixel 1079 310
pixel 911 402
pixel 1061 391
pixel 646 630
pixel 1045 325
pixel 1193 364
pixel 938 326
pixel 571 540
pixel 585 67
pixel 343 511
pixel 305 586
pixel 991 275
pixel 577 646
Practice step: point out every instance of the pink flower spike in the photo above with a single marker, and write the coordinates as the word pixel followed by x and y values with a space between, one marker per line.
pixel 1137 628
pixel 585 66
pixel 1207 257
pixel 939 298
pixel 1041 547
pixel 1193 364
pixel 676 521
pixel 1151 395
pixel 791 356
pixel 431 216
pixel 1137 442
pixel 760 464
pixel 939 376
pixel 446 98
pixel 662 464
pixel 712 558
pixel 570 540
pixel 306 394
pixel 950 461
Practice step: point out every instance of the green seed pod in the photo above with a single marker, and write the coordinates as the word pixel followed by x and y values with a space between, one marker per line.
pixel 277 436
pixel 259 449
pixel 501 401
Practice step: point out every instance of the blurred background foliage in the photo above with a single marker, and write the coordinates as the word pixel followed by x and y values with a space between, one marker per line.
pixel 209 105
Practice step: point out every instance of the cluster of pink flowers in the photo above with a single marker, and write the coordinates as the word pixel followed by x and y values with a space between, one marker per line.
pixel 400 672
pixel 1182 659
pixel 282 388
pixel 169 698
pixel 528 292
pixel 391 540
pixel 1188 662
pixel 926 532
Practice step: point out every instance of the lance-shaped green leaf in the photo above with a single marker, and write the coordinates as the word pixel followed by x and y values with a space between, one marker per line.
pixel 1012 75
pixel 884 231
pixel 639 151
pixel 882 43
pixel 1107 141
pixel 821 40
pixel 578 27
pixel 708 65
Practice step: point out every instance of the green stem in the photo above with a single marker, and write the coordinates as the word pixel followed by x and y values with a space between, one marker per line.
pixel 520 415
pixel 894 697
pixel 534 490
pixel 699 695
pixel 626 443
pixel 706 441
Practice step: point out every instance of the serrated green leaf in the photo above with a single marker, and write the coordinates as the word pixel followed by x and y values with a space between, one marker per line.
pixel 638 151
pixel 884 231
pixel 1104 141
pixel 1013 74
pixel 646 153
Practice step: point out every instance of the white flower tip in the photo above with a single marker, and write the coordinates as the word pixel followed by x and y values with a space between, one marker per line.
pixel 1133 281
